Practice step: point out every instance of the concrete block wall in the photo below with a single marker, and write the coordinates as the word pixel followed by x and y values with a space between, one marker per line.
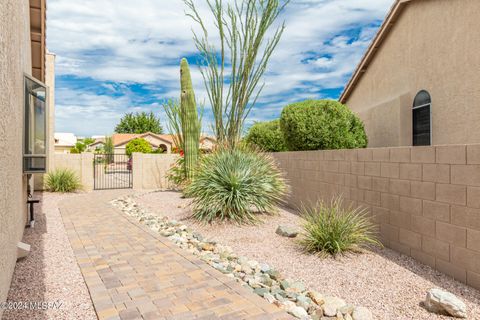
pixel 425 200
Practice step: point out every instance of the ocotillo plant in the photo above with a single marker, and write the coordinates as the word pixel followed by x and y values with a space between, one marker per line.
pixel 233 72
pixel 190 123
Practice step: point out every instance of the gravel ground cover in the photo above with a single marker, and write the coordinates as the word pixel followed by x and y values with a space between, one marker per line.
pixel 50 272
pixel 391 285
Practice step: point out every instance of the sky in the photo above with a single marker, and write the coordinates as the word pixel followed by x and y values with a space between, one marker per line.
pixel 119 56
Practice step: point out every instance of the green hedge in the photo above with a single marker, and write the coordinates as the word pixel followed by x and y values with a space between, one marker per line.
pixel 267 136
pixel 138 145
pixel 321 125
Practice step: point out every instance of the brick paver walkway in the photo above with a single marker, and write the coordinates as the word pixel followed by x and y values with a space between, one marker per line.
pixel 133 273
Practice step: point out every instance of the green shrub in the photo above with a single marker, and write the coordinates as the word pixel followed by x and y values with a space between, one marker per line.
pixel 267 136
pixel 335 229
pixel 80 147
pixel 236 184
pixel 62 180
pixel 138 145
pixel 321 125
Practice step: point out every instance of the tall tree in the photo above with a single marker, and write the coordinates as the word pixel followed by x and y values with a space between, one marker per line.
pixel 242 26
pixel 140 122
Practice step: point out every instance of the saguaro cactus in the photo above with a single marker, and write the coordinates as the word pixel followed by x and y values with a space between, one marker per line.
pixel 189 118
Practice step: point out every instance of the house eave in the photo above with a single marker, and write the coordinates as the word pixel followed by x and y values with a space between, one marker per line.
pixel 389 22
pixel 38 17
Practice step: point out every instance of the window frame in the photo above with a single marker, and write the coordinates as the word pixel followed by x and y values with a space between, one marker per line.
pixel 430 117
pixel 24 129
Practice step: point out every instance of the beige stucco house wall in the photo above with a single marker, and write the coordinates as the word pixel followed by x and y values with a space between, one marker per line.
pixel 21 52
pixel 424 44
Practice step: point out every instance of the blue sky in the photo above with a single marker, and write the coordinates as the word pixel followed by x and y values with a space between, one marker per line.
pixel 123 56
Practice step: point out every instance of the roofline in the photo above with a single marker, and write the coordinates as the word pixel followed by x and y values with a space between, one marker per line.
pixel 64 145
pixel 38 26
pixel 142 136
pixel 381 35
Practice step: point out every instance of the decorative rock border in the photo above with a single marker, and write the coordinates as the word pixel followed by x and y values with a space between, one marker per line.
pixel 292 296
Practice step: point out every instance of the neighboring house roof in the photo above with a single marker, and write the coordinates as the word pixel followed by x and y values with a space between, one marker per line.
pixel 372 50
pixel 208 138
pixel 64 139
pixel 120 139
pixel 96 143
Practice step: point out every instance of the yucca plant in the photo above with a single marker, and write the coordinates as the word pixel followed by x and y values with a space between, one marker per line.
pixel 332 229
pixel 62 180
pixel 236 185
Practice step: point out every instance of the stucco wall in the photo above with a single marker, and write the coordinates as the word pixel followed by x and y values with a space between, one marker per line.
pixel 150 170
pixel 425 200
pixel 433 46
pixel 15 60
pixel 82 164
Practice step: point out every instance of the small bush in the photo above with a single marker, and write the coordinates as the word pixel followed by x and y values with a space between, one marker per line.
pixel 138 145
pixel 267 136
pixel 62 180
pixel 235 185
pixel 321 125
pixel 334 229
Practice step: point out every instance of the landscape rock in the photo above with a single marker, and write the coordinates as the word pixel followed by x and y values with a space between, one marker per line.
pixel 269 297
pixel 316 297
pixel 362 313
pixel 274 274
pixel 287 231
pixel 295 287
pixel 298 312
pixel 443 302
pixel 304 302
pixel 259 278
pixel 285 284
pixel 261 291
pixel 331 305
pixel 348 309
pixel 347 317
pixel 264 267
pixel 207 246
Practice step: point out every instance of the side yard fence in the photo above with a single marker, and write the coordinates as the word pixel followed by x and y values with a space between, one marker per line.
pixel 149 170
pixel 426 200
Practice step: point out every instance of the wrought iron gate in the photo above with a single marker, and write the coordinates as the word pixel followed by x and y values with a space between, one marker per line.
pixel 112 171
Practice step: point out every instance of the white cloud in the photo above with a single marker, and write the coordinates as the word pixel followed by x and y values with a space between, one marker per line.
pixel 142 42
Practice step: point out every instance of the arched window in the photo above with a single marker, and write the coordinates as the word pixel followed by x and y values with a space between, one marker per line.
pixel 422 119
pixel 163 147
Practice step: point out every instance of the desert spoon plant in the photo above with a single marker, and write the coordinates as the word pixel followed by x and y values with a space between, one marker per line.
pixel 190 123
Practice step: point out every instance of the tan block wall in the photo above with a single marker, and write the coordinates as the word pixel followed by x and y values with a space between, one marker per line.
pixel 425 200
pixel 15 60
pixel 50 83
pixel 150 170
pixel 432 46
pixel 82 164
